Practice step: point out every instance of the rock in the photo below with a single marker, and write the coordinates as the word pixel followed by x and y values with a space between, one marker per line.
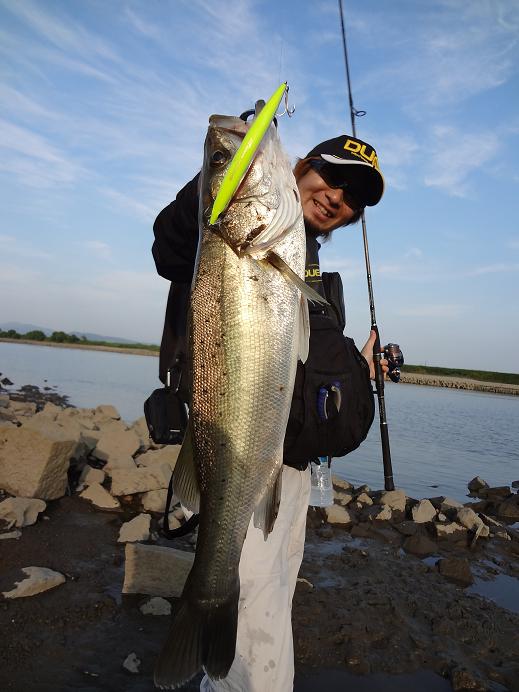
pixel 38 579
pixel 515 484
pixel 363 489
pixel 138 529
pixel 420 545
pixel 383 514
pixel 100 497
pixel 509 509
pixel 394 499
pixel 132 663
pixel 117 444
pixel 166 455
pixel 364 499
pixel 10 534
pixel 452 530
pixel 106 411
pixel 496 494
pixel 360 531
pixel 21 511
pixel 464 681
pixel 156 606
pixel 407 528
pixel 155 500
pixel 470 520
pixel 456 569
pixel 476 484
pixel 23 408
pixel 173 521
pixel 423 512
pixel 90 475
pixel 339 515
pixel 154 570
pixel 123 462
pixel 342 498
pixel 448 504
pixel 4 401
pixel 441 517
pixel 50 410
pixel 35 464
pixel 341 483
pixel 140 480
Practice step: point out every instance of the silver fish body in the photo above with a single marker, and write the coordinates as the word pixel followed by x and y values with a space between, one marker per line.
pixel 245 325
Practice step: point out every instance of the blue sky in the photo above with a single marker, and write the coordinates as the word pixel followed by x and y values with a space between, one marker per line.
pixel 104 109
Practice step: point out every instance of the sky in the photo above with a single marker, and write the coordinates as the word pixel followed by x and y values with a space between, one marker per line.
pixel 104 111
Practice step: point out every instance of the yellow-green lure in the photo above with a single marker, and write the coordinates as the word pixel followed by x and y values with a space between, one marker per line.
pixel 241 160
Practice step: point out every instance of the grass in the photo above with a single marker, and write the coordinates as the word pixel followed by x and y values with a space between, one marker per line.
pixel 480 375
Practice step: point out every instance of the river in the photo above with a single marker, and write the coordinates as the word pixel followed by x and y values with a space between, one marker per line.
pixel 440 438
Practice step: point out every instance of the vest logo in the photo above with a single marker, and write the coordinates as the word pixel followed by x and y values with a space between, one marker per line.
pixel 312 273
pixel 359 150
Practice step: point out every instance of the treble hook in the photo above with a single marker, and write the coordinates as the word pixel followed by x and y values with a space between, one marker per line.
pixel 289 110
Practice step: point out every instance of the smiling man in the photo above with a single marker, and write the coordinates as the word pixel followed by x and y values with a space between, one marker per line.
pixel 332 406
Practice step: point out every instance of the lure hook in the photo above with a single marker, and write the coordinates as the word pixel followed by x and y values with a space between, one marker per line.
pixel 289 110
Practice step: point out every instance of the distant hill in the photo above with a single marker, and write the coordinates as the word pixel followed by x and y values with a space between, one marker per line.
pixel 23 328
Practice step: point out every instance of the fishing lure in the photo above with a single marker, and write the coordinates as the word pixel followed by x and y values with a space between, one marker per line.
pixel 241 160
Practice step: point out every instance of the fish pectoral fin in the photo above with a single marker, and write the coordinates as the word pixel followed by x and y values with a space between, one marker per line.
pixel 278 263
pixel 266 511
pixel 303 329
pixel 185 481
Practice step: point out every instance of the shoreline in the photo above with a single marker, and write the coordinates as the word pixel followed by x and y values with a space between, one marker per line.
pixel 406 378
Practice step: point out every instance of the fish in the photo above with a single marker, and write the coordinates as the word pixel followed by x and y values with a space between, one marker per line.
pixel 247 326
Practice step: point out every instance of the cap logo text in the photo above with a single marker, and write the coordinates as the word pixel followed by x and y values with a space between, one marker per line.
pixel 359 150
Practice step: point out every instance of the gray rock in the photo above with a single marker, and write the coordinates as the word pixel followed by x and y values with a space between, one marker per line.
pixel 137 529
pixel 363 489
pixel 407 528
pixel 155 500
pixel 155 570
pixel 452 531
pixel 4 401
pixel 364 499
pixel 140 480
pixel 385 513
pixel 515 484
pixel 131 663
pixel 423 512
pixel 107 411
pixel 165 455
pixel 10 534
pixel 462 681
pixel 341 483
pixel 509 509
pixel 394 499
pixel 456 569
pixel 476 484
pixel 38 579
pixel 115 445
pixel 156 606
pixel 21 511
pixel 470 520
pixel 420 545
pixel 447 504
pixel 342 498
pixel 99 497
pixel 339 515
pixel 35 463
pixel 90 475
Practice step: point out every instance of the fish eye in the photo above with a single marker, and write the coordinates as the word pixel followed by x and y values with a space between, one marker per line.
pixel 218 157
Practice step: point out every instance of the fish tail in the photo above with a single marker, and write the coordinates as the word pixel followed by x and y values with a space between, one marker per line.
pixel 199 638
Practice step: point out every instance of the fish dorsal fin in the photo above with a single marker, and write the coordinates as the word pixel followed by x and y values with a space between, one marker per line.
pixel 276 261
pixel 266 511
pixel 185 481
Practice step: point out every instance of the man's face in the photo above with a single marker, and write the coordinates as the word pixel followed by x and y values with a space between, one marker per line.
pixel 324 208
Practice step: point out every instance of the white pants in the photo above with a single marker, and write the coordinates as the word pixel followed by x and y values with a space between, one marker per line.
pixel 264 659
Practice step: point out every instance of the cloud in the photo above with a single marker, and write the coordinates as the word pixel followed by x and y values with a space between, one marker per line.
pixel 497 268
pixel 13 247
pixel 454 154
pixel 98 248
pixel 513 244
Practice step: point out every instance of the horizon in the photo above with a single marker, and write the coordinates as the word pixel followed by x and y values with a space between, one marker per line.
pixel 105 112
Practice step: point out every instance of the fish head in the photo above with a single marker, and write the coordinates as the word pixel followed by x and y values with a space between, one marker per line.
pixel 258 198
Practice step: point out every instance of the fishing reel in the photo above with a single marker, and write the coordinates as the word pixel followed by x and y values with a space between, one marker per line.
pixel 395 360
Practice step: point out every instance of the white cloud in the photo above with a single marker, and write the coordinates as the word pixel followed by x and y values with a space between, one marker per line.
pixel 98 248
pixel 10 246
pixel 497 268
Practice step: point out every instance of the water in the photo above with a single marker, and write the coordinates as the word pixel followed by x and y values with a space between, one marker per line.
pixel 440 438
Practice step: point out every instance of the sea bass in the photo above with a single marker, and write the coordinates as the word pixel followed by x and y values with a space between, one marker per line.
pixel 247 325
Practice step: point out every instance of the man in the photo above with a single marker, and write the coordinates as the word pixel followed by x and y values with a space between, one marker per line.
pixel 336 180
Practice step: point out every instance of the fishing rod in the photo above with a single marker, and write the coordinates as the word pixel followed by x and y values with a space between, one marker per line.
pixel 379 375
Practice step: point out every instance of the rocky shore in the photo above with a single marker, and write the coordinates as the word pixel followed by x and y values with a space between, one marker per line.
pixel 389 594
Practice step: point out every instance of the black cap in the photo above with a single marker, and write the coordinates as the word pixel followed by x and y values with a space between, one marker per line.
pixel 360 163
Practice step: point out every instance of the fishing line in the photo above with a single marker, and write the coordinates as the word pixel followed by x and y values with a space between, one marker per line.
pixel 379 376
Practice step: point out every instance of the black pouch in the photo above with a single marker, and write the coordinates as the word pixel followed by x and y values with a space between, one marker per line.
pixel 165 411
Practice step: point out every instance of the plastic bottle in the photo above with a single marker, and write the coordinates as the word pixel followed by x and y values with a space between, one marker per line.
pixel 321 493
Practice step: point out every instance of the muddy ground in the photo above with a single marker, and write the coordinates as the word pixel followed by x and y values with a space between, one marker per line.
pixel 367 616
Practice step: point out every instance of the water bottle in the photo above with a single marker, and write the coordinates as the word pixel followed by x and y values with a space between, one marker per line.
pixel 321 493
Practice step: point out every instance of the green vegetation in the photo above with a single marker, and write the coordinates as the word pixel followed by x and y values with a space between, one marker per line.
pixel 481 375
pixel 64 338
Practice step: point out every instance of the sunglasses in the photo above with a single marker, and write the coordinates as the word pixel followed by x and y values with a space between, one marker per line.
pixel 335 179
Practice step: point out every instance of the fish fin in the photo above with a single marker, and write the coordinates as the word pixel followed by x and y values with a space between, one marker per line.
pixel 286 215
pixel 199 638
pixel 267 509
pixel 276 261
pixel 303 330
pixel 185 481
